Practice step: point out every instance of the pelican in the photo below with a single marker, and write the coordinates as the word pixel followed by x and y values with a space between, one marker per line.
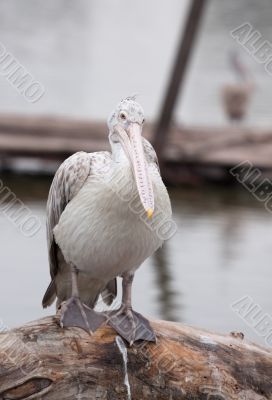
pixel 101 212
pixel 236 96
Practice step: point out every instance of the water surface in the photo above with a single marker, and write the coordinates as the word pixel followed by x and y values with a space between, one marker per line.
pixel 91 53
pixel 220 253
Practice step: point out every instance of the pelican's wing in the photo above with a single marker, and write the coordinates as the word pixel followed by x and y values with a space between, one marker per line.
pixel 67 182
pixel 150 154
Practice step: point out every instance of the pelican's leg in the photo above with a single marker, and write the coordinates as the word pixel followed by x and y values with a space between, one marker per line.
pixel 129 324
pixel 75 313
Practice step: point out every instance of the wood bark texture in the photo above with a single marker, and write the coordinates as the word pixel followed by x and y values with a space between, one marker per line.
pixel 42 361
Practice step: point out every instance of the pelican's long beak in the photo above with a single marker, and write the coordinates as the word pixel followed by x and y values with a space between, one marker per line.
pixel 133 146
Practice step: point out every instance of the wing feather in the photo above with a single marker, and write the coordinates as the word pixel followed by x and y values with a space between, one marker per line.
pixel 67 182
pixel 150 154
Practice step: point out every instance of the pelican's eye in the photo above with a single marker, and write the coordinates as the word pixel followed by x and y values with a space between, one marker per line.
pixel 123 116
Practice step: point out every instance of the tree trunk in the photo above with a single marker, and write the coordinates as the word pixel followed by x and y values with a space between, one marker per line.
pixel 42 361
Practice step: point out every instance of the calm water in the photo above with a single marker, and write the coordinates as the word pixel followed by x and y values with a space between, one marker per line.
pixel 220 253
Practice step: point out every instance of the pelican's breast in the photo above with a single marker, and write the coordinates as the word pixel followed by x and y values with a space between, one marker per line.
pixel 104 230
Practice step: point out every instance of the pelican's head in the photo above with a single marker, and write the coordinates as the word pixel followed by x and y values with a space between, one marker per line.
pixel 125 136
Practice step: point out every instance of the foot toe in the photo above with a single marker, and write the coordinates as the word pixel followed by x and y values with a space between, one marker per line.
pixel 132 326
pixel 76 314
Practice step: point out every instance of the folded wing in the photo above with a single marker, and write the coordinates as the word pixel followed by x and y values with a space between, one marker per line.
pixel 67 182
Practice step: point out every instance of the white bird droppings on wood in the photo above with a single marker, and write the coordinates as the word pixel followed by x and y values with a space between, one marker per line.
pixel 123 350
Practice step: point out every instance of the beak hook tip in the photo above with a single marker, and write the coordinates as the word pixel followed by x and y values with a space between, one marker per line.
pixel 149 213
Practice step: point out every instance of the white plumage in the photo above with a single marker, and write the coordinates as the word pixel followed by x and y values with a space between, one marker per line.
pixel 97 216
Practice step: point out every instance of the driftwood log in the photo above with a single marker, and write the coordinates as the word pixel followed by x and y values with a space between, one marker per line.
pixel 42 361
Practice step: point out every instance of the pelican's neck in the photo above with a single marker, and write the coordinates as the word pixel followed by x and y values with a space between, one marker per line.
pixel 118 154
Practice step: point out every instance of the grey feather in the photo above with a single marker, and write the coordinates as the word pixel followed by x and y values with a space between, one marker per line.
pixel 50 295
pixel 67 182
pixel 110 292
pixel 150 154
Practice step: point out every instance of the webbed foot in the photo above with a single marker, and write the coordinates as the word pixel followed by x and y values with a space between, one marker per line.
pixel 75 313
pixel 131 325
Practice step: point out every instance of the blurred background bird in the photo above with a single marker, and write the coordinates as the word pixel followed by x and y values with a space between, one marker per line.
pixel 236 96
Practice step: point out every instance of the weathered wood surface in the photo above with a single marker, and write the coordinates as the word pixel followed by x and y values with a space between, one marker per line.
pixel 42 361
pixel 58 137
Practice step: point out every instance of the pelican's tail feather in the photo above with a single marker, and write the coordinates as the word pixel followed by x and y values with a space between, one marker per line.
pixel 50 295
pixel 110 292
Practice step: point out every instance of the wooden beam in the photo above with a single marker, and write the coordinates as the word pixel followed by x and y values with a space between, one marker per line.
pixel 42 361
pixel 185 47
pixel 56 138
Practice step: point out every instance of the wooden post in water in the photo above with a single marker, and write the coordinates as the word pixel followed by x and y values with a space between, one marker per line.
pixel 177 76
